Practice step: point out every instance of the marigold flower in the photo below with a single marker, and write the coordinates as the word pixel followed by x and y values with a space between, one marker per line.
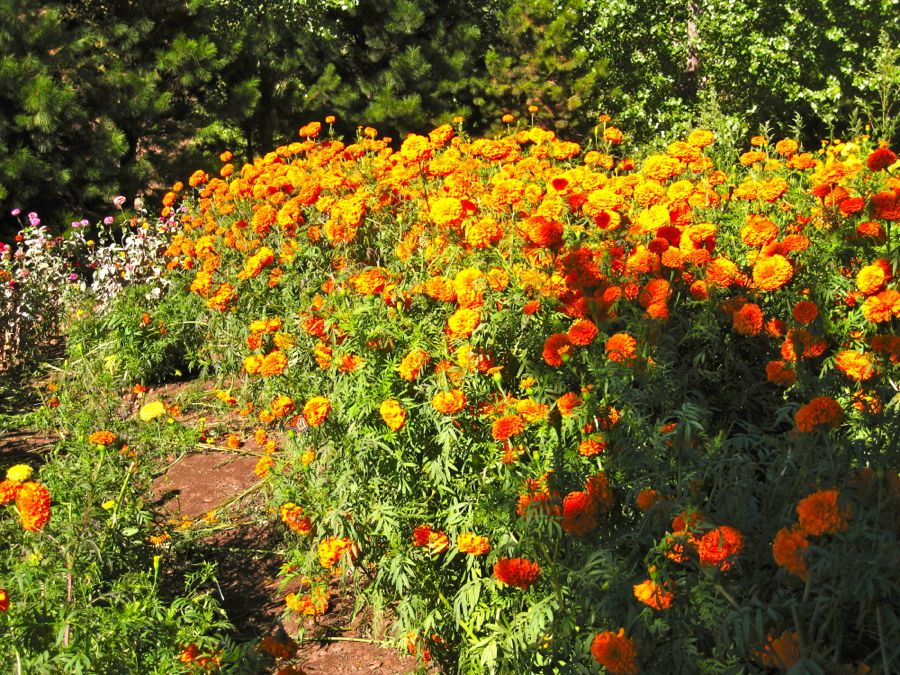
pixel 8 491
pixel 557 347
pixel 719 547
pixel 653 595
pixel 314 604
pixel 33 503
pixel 819 513
pixel 771 273
pixel 701 138
pixel 789 549
pixel 748 320
pixel 331 549
pixel 518 572
pixel 582 332
pixel 282 406
pixel 4 600
pixel 506 427
pixel 19 473
pixel 805 312
pixel 412 364
pixel 447 211
pixel 151 411
pixel 273 363
pixel 615 652
pixel 759 231
pixel 621 347
pixel 590 447
pixel 880 158
pixel 567 403
pixel 278 648
pixel 316 410
pixel 473 544
pixel 855 365
pixel 782 652
pixel 778 372
pixel 647 498
pixel 434 540
pixel 393 414
pixel 449 402
pixel 787 147
pixel 579 513
pixel 821 411
pixel 882 307
pixel 463 322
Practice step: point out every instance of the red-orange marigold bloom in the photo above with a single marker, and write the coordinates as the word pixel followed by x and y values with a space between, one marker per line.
pixel 886 205
pixel 473 544
pixel 805 312
pixel 779 372
pixel 647 498
pixel 653 595
pixel 33 503
pixel 102 438
pixel 8 490
pixel 880 158
pixel 782 652
pixel 592 446
pixel 518 572
pixel 855 365
pixel 615 652
pixel 621 347
pixel 748 320
pixel 331 549
pixel 821 411
pixel 819 514
pixel 788 550
pixel 316 410
pixel 449 402
pixel 4 600
pixel 579 513
pixel 718 547
pixel 292 516
pixel 772 273
pixel 506 427
pixel 393 414
pixel 582 332
pixel 556 347
pixel 567 403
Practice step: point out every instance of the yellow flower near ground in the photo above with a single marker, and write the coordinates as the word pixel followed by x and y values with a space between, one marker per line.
pixel 19 473
pixel 150 411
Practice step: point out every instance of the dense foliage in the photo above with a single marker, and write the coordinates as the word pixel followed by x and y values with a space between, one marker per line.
pixel 101 98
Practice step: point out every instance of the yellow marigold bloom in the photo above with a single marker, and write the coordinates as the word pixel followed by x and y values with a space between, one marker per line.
pixel 855 365
pixel 151 411
pixel 263 466
pixel 412 364
pixel 331 549
pixel 449 402
pixel 483 233
pixel 446 211
pixel 819 513
pixel 473 544
pixel 19 473
pixel 701 138
pixel 463 322
pixel 393 414
pixel 316 410
pixel 771 273
pixel 870 279
pixel 653 595
pixel 661 167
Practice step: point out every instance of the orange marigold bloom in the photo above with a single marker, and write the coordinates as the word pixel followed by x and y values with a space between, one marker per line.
pixel 882 307
pixel 805 312
pixel 567 403
pixel 411 365
pixel 292 516
pixel 653 595
pixel 661 167
pixel 8 490
pixel 483 233
pixel 748 320
pixel 463 322
pixel 273 363
pixel 263 466
pixel 102 438
pixel 531 411
pixel 821 411
pixel 787 147
pixel 4 600
pixel 282 405
pixel 473 544
pixel 779 372
pixel 615 652
pixel 506 427
pixel 772 273
pixel 314 604
pixel 33 503
pixel 543 232
pixel 621 347
pixel 447 211
pixel 597 486
pixel 647 498
pixel 449 402
pixel 886 205
pixel 855 365
pixel 591 447
pixel 719 547
pixel 782 652
pixel 518 572
pixel 579 513
pixel 582 332
pixel 316 410
pixel 331 549
pixel 556 349
pixel 819 514
pixel 393 414
pixel 789 549
pixel 759 231
pixel 880 158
